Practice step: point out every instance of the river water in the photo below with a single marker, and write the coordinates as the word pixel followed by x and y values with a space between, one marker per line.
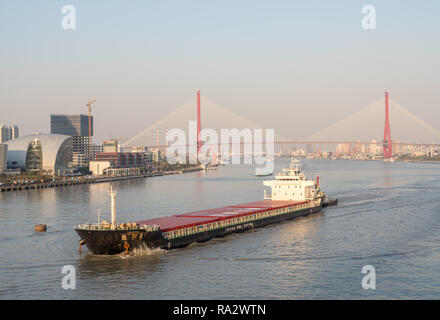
pixel 388 217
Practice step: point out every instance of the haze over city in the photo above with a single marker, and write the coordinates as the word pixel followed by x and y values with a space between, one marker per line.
pixel 269 62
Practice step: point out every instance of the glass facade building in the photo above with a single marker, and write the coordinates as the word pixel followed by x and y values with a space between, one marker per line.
pixel 70 125
pixel 34 156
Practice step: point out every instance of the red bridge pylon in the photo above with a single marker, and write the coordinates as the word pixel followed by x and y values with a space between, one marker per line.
pixel 387 149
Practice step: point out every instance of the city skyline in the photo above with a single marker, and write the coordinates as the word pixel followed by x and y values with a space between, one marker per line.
pixel 258 61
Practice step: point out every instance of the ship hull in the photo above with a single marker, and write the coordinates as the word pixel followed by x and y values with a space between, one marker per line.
pixel 118 241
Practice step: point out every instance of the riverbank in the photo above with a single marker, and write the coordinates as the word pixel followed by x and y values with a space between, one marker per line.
pixel 88 180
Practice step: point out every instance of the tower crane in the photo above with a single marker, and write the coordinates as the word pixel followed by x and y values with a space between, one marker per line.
pixel 89 107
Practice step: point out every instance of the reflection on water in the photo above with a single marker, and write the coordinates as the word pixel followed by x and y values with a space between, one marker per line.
pixel 387 175
pixel 387 217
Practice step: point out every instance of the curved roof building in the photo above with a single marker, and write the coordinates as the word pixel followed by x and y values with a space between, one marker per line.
pixel 40 152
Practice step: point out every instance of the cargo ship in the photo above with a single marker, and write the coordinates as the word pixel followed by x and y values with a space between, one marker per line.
pixel 292 195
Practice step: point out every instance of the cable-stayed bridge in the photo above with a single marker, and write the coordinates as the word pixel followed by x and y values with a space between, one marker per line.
pixel 213 116
pixel 366 126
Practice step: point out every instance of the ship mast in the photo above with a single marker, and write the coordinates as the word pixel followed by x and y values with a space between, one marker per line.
pixel 112 195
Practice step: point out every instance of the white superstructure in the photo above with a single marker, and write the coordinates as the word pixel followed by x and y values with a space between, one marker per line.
pixel 292 184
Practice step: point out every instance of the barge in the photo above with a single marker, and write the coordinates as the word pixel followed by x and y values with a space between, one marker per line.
pixel 292 196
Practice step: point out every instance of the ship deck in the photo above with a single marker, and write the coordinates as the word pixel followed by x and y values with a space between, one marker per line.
pixel 190 219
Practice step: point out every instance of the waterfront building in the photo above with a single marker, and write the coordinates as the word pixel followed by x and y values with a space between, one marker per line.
pixel 49 153
pixel 99 167
pixel 122 159
pixel 3 153
pixel 105 168
pixel 76 126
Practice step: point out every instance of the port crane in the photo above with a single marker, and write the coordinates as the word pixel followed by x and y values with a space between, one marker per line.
pixel 89 107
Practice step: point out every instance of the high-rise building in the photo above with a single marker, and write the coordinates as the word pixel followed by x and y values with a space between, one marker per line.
pixel 8 132
pixel 77 126
pixel 14 132
pixel 4 133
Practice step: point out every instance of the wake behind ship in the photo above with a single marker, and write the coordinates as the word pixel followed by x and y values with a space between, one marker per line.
pixel 292 195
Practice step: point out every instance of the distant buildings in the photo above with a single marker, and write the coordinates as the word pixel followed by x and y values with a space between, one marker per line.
pixel 8 132
pixel 372 149
pixel 76 126
pixel 343 148
pixel 110 145
pixel 395 147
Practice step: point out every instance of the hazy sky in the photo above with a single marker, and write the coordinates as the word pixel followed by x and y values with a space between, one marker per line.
pixel 295 66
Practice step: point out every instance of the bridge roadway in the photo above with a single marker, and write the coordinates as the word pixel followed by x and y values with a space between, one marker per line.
pixel 306 142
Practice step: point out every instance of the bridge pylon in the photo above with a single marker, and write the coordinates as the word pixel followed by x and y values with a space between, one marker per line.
pixel 387 148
